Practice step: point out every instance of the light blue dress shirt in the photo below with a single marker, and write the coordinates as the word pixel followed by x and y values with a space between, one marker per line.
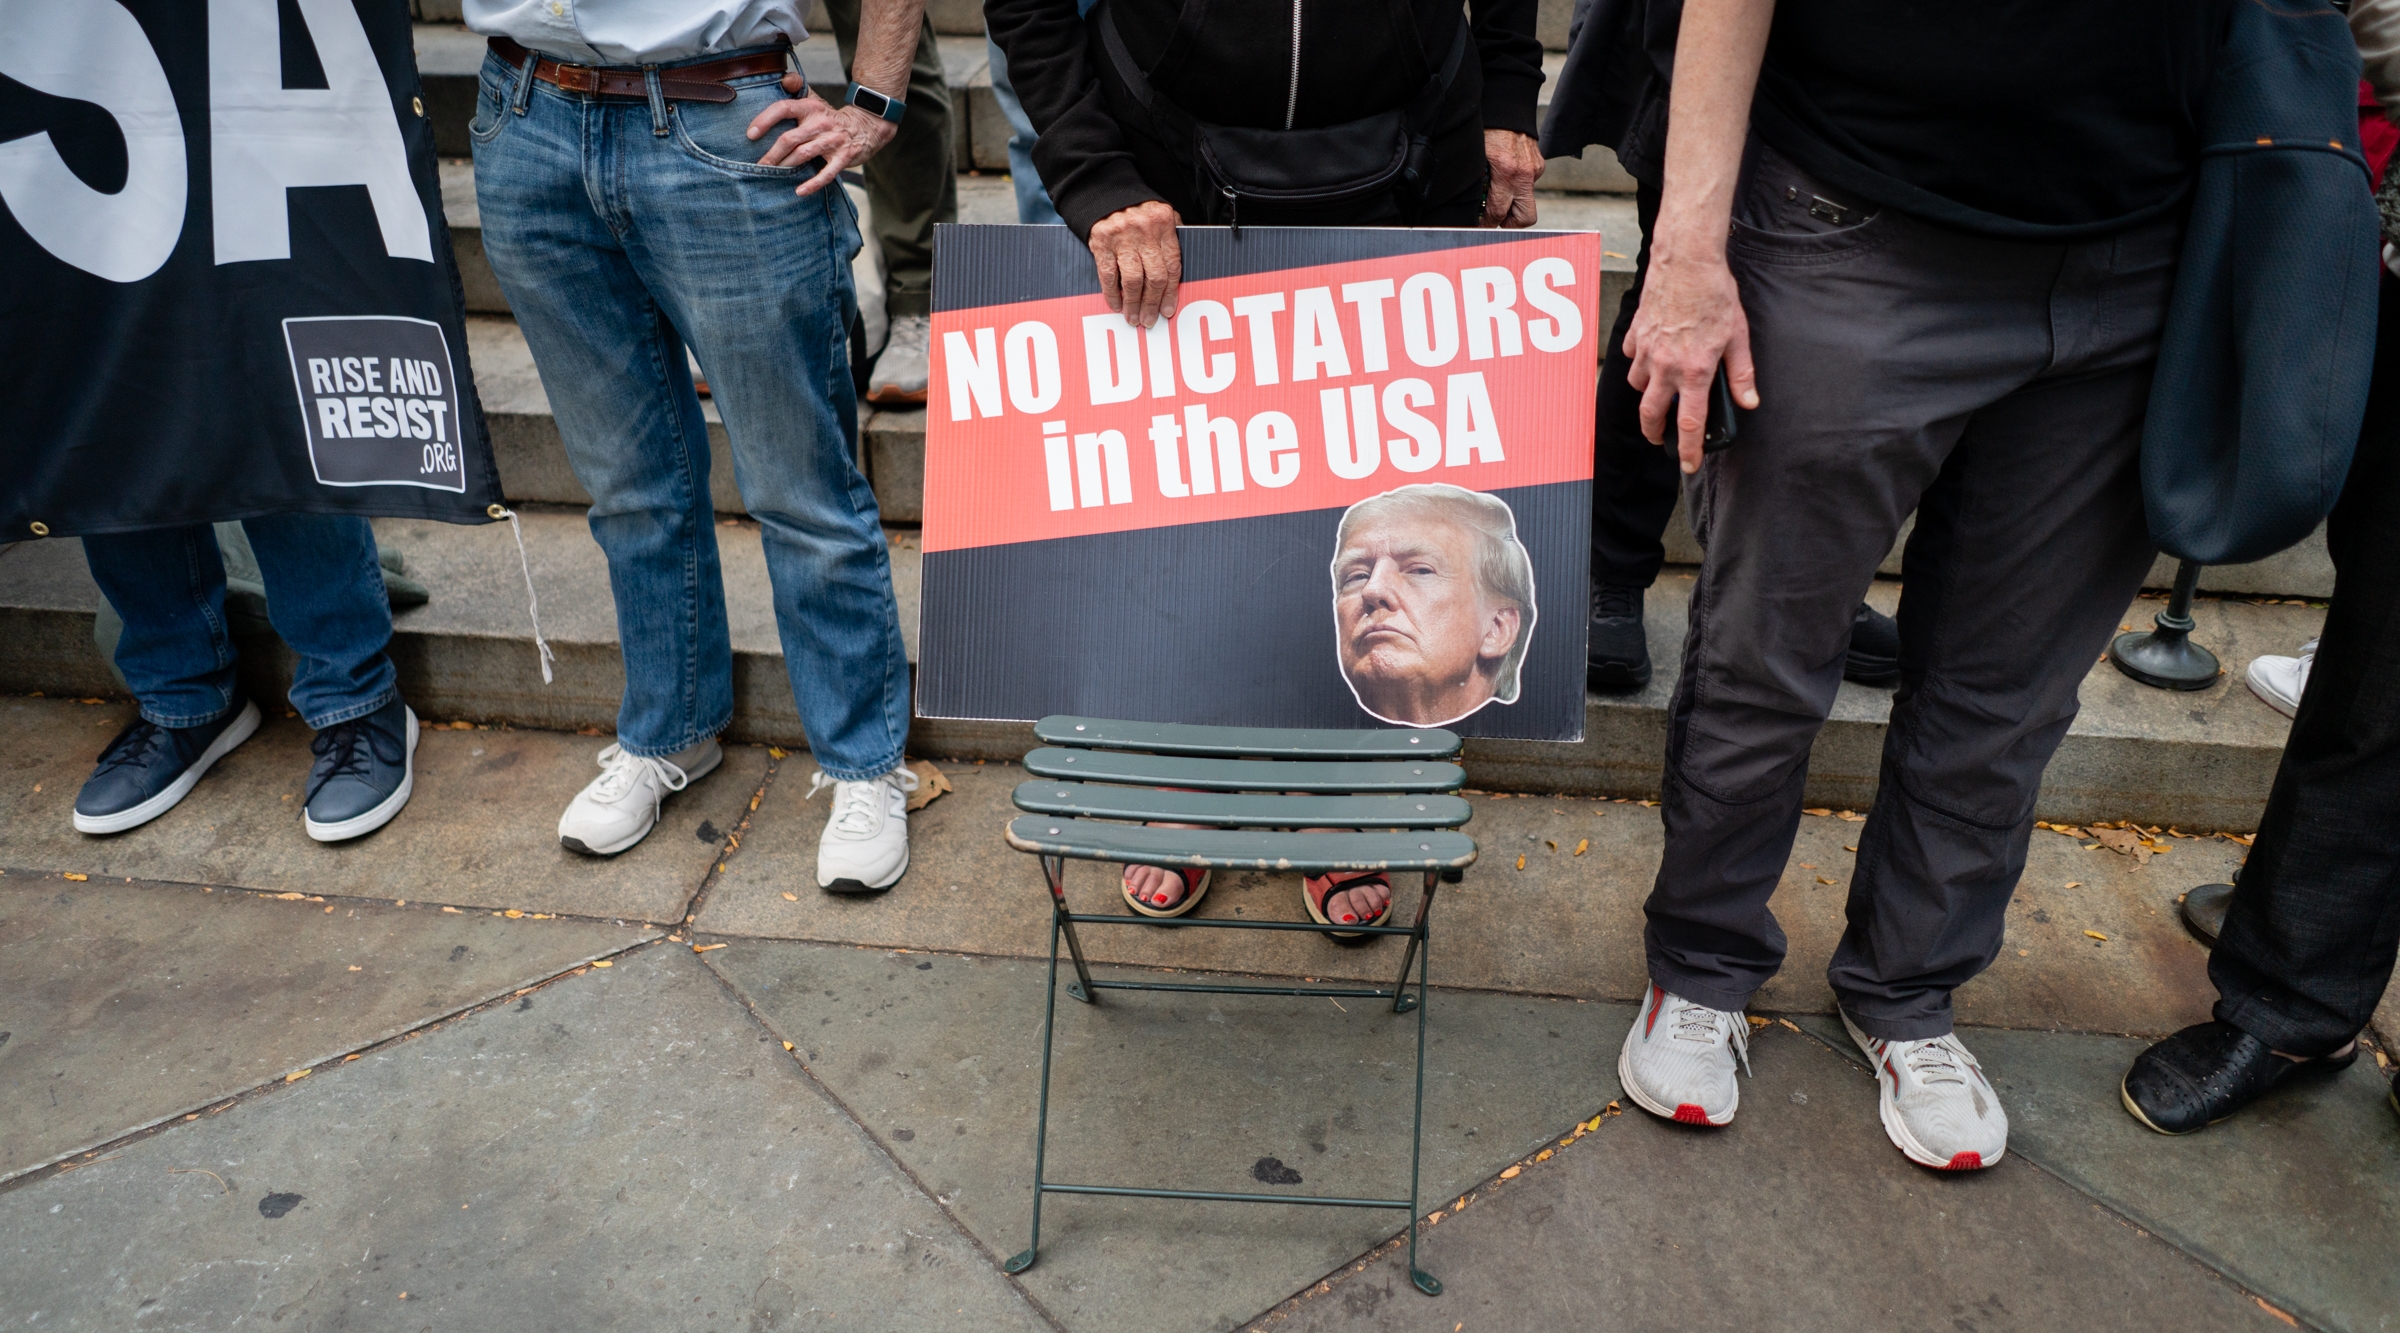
pixel 637 32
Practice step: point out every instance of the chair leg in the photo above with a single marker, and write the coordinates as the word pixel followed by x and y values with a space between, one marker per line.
pixel 1401 1003
pixel 1420 947
pixel 1055 869
pixel 1041 1122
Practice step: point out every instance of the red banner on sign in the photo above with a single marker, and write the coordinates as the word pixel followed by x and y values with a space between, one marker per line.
pixel 1272 392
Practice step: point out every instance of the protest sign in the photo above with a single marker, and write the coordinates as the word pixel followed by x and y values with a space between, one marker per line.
pixel 1348 484
pixel 226 283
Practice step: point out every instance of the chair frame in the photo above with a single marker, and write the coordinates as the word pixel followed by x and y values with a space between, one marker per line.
pixel 1415 958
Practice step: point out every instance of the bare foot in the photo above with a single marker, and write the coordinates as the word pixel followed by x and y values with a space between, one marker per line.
pixel 1156 886
pixel 1360 900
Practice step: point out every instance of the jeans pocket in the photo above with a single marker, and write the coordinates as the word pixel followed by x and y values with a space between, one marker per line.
pixel 492 87
pixel 716 134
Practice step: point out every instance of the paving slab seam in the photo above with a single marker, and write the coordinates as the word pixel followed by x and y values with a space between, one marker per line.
pixel 404 904
pixel 90 1154
pixel 2100 1203
pixel 835 1100
pixel 731 844
pixel 1498 1180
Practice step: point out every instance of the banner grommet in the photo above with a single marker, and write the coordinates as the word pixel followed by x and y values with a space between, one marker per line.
pixel 39 529
pixel 496 511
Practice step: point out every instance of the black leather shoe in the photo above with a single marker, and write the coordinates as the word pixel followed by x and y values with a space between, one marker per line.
pixel 2207 1072
pixel 2204 910
pixel 365 769
pixel 1618 659
pixel 1874 657
pixel 148 768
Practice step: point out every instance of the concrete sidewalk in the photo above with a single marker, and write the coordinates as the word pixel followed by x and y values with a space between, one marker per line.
pixel 245 1078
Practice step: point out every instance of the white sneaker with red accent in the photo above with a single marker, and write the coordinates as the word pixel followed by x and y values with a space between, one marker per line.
pixel 1937 1106
pixel 1678 1059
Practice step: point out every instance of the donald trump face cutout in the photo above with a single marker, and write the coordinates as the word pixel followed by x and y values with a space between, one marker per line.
pixel 1432 603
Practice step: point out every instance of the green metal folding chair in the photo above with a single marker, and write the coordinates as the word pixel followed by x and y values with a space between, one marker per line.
pixel 1239 783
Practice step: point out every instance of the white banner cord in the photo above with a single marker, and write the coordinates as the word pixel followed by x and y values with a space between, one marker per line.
pixel 533 600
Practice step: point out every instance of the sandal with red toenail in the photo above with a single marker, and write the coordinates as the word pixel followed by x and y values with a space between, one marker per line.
pixel 1315 889
pixel 1195 883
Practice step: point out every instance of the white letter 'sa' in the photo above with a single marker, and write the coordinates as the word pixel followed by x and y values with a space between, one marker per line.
pixel 93 51
pixel 265 139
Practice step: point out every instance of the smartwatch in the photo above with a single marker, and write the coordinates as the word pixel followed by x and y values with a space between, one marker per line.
pixel 865 98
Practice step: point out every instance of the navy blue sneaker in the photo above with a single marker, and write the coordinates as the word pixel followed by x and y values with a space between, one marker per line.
pixel 365 769
pixel 148 768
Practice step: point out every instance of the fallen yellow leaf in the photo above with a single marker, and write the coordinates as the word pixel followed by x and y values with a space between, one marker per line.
pixel 776 752
pixel 1520 861
pixel 356 968
pixel 791 897
pixel 2074 884
pixel 754 802
pixel 450 909
pixel 79 877
pixel 512 914
pixel 1511 1173
pixel 1434 1218
pixel 704 948
pixel 1785 1022
pixel 1647 805
pixel 1850 816
pixel 295 1076
pixel 1553 846
pixel 2096 935
pixel 603 962
pixel 2261 1305
pixel 1583 846
pixel 1822 880
pixel 930 784
pixel 787 1046
pixel 1544 1154
pixel 345 1060
pixel 1820 812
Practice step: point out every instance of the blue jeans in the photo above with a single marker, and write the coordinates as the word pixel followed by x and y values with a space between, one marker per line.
pixel 324 594
pixel 1033 201
pixel 621 230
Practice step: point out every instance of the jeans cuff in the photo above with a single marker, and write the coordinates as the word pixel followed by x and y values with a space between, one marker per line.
pixel 859 774
pixel 178 722
pixel 351 712
pixel 674 748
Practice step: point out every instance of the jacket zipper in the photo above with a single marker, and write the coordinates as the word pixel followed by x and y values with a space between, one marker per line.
pixel 1291 105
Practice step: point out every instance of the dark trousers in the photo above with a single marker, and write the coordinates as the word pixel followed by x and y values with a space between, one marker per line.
pixel 913 183
pixel 1634 482
pixel 2309 939
pixel 1997 388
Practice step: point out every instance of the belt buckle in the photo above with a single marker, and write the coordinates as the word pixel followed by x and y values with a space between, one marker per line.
pixel 578 78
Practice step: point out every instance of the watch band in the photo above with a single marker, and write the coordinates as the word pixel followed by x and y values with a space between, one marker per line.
pixel 867 99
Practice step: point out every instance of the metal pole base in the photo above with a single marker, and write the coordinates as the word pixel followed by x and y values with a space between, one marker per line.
pixel 2165 658
pixel 1426 1282
pixel 1023 1261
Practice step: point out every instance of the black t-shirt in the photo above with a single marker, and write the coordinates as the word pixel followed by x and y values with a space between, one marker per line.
pixel 2037 119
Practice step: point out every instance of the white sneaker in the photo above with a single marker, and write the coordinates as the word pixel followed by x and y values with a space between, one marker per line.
pixel 2282 680
pixel 900 373
pixel 620 807
pixel 865 845
pixel 1678 1059
pixel 1937 1106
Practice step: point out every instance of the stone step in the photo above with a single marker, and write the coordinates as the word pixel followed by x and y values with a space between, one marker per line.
pixel 2202 760
pixel 449 56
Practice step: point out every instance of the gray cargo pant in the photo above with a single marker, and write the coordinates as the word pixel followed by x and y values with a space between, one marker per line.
pixel 1995 387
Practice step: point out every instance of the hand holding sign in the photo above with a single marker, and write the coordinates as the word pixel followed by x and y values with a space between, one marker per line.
pixel 1140 261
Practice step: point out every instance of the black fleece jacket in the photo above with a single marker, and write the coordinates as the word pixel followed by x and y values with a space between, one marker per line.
pixel 1230 62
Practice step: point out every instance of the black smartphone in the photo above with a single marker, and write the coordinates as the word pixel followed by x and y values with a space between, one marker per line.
pixel 1722 424
pixel 1720 427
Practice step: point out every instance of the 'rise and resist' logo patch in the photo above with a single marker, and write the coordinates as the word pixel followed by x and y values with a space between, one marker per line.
pixel 379 400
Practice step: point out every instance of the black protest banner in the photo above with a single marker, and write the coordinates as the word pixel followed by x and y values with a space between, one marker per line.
pixel 1349 483
pixel 226 286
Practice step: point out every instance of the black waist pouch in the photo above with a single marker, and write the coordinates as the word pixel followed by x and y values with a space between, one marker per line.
pixel 1371 170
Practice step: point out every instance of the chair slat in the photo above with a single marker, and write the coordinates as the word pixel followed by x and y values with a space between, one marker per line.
pixel 1247 742
pixel 1238 810
pixel 1162 770
pixel 1304 853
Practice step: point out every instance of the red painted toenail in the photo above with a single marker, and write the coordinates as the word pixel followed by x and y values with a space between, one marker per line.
pixel 1161 900
pixel 1347 918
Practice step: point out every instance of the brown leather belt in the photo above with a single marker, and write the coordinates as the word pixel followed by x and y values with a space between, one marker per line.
pixel 684 83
